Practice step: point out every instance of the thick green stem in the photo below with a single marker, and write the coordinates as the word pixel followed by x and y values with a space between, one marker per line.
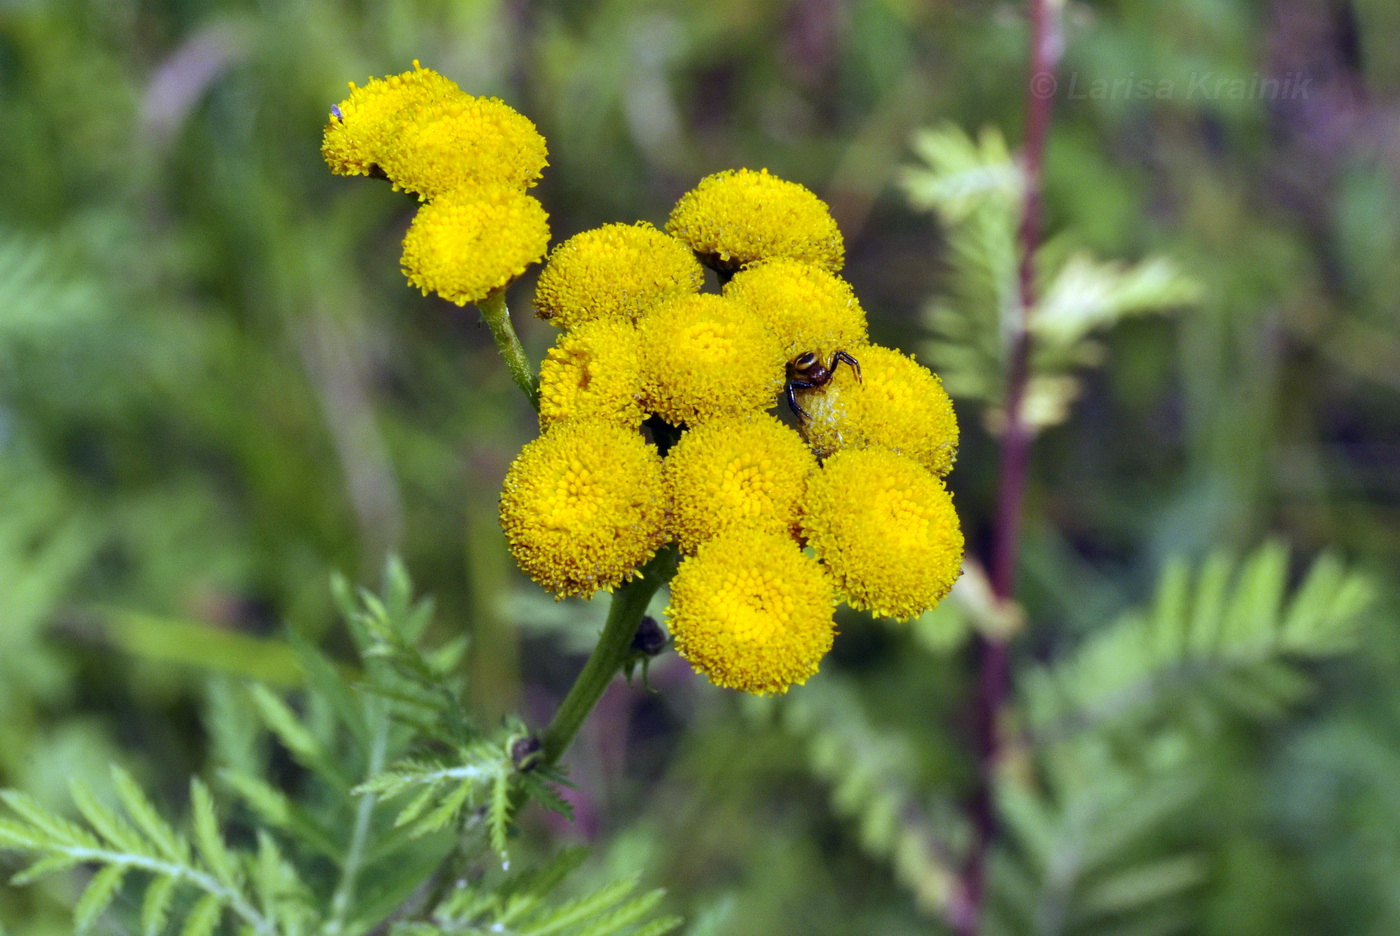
pixel 497 316
pixel 629 603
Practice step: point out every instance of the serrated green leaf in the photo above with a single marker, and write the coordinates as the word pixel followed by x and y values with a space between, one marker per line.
pixel 157 831
pixel 621 918
pixel 155 906
pixel 445 811
pixel 499 815
pixel 50 864
pixel 104 821
pixel 203 917
pixel 659 927
pixel 208 838
pixel 18 835
pixel 48 828
pixel 275 809
pixel 580 910
pixel 304 747
pixel 98 896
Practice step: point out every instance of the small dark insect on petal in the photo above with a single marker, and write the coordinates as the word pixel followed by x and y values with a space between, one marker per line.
pixel 335 112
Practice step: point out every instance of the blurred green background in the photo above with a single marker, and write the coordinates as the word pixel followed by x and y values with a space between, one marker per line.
pixel 216 390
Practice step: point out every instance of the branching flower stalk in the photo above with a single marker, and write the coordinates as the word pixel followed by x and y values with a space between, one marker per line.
pixel 497 317
pixel 658 459
pixel 994 682
pixel 629 604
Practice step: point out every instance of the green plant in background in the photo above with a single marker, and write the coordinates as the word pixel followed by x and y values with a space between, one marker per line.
pixel 585 507
pixel 339 857
pixel 211 399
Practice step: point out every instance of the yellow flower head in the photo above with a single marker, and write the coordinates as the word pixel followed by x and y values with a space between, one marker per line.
pixel 365 123
pixel 616 271
pixel 748 470
pixel 704 356
pixel 738 216
pixel 446 143
pixel 471 242
pixel 886 530
pixel 583 506
pixel 593 371
pixel 752 612
pixel 897 404
pixel 808 307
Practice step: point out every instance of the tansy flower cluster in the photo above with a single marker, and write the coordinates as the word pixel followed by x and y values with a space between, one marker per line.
pixel 771 538
pixel 469 159
pixel 658 403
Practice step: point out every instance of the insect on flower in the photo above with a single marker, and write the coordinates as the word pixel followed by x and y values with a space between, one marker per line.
pixel 806 372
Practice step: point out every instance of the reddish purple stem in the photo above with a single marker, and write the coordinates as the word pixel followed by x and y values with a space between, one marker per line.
pixel 994 682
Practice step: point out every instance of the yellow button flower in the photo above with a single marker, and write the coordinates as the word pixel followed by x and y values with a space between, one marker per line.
pixel 583 507
pixel 897 404
pixel 471 242
pixel 365 123
pixel 736 471
pixel 449 142
pixel 886 530
pixel 738 216
pixel 593 371
pixel 809 308
pixel 704 356
pixel 616 271
pixel 752 612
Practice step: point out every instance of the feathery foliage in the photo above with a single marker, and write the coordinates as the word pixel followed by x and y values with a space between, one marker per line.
pixel 975 189
pixel 518 905
pixel 1226 636
pixel 332 857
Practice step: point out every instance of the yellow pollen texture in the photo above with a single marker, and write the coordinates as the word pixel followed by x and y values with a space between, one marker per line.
pixel 472 242
pixel 808 307
pixel 617 271
pixel 736 471
pixel 371 117
pixel 738 216
pixel 886 530
pixel 897 404
pixel 583 507
pixel 750 611
pixel 703 356
pixel 593 371
pixel 446 143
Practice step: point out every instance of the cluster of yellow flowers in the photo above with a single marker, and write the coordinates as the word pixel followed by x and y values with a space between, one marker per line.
pixel 469 159
pixel 655 402
pixel 736 489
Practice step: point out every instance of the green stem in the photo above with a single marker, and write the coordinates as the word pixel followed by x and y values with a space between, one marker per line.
pixel 497 316
pixel 629 603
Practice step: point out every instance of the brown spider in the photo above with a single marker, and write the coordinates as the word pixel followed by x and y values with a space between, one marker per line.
pixel 807 371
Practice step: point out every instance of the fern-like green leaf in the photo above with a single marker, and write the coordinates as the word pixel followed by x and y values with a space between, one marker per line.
pixel 975 188
pixel 157 831
pixel 208 838
pixel 203 918
pixel 869 772
pixel 98 896
pixel 518 904
pixel 155 907
pixel 1225 633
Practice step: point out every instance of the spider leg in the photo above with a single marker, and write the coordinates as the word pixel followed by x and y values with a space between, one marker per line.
pixel 792 387
pixel 842 356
